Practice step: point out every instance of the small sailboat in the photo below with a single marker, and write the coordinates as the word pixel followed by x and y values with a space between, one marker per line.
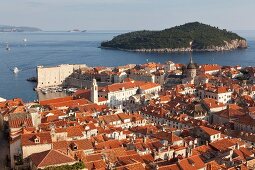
pixel 7 47
pixel 25 39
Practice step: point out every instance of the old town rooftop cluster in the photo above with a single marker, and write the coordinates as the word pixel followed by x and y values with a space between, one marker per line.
pixel 150 116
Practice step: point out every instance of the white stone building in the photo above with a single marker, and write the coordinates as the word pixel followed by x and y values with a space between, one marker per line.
pixel 221 94
pixel 116 94
pixel 55 76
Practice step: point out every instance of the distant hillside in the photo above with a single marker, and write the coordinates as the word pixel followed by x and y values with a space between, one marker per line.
pixel 6 28
pixel 203 37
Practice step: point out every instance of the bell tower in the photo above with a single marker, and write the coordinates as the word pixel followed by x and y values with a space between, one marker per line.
pixel 94 91
pixel 191 69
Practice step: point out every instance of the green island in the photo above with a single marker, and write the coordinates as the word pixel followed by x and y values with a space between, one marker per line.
pixel 8 28
pixel 193 36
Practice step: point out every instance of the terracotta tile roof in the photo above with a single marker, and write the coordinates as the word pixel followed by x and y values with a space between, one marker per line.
pixel 182 87
pixel 235 106
pixel 113 154
pixel 60 145
pixel 128 85
pixel 84 144
pixel 147 158
pixel 165 98
pixel 216 89
pixel 29 139
pixel 49 119
pixel 170 137
pixel 18 123
pixel 56 100
pixel 92 108
pixel 148 85
pixel 128 159
pixel 52 112
pixel 133 166
pixel 237 155
pixel 246 152
pixel 98 165
pixel 74 131
pixel 118 87
pixel 11 103
pixel 71 103
pixel 19 109
pixel 29 130
pixel 124 116
pixel 210 67
pixel 50 158
pixel 212 103
pixel 203 149
pixel 109 118
pixel 82 93
pixel 246 120
pixel 192 163
pixel 110 144
pixel 145 130
pixel 209 131
pixel 213 165
pixel 169 167
pixel 101 99
pixel 230 113
pixel 225 144
pixel 93 157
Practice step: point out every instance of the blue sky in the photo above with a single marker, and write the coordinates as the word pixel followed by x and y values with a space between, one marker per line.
pixel 127 14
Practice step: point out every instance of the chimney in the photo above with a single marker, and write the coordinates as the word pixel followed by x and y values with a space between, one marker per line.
pixel 144 139
pixel 237 146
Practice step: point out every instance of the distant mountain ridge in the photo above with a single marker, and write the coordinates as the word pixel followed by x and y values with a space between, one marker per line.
pixel 8 28
pixel 193 36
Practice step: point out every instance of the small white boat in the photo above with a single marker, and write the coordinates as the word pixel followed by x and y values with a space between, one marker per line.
pixel 44 91
pixel 25 39
pixel 7 47
pixel 59 89
pixel 72 90
pixel 15 70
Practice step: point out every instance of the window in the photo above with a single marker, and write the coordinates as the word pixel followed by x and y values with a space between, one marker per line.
pixel 37 140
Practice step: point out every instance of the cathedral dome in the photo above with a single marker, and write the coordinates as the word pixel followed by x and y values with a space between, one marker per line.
pixel 192 66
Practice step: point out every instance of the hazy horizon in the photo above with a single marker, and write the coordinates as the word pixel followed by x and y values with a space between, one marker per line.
pixel 58 15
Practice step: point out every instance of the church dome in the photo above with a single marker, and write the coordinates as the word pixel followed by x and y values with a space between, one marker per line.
pixel 192 66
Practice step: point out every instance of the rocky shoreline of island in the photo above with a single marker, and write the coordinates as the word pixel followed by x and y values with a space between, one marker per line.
pixel 229 46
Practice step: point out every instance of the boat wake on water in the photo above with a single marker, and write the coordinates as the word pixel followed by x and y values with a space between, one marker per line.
pixel 16 70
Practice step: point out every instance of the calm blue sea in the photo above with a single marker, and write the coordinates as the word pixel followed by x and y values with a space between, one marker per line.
pixel 53 48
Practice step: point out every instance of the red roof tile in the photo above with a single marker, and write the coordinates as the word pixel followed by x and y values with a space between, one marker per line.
pixel 29 139
pixel 50 158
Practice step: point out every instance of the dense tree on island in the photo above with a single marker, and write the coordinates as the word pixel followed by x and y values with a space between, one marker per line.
pixel 203 37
